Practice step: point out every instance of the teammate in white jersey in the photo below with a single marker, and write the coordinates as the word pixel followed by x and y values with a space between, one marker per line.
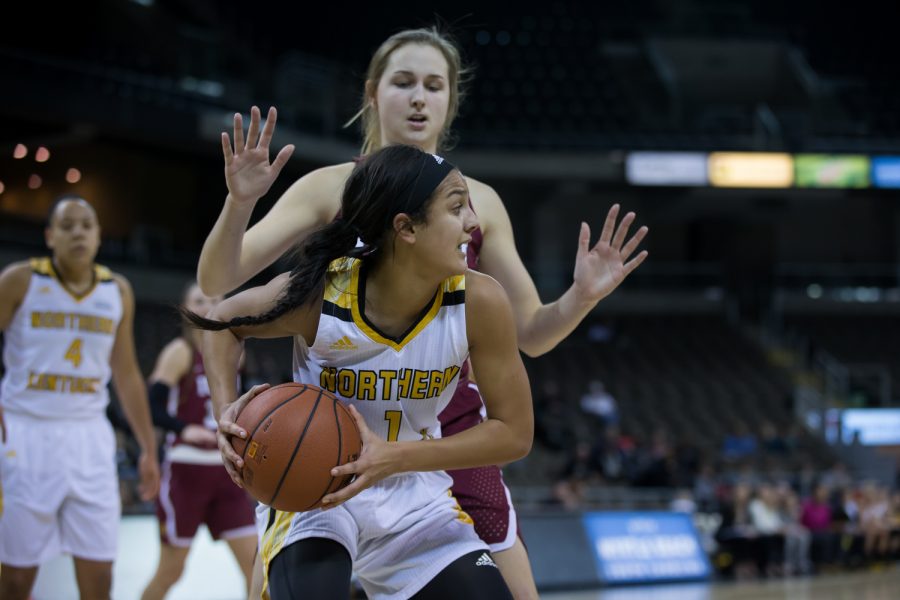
pixel 387 327
pixel 67 325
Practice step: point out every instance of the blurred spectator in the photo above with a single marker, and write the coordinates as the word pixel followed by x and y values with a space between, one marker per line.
pixel 746 474
pixel 580 469
pixel 792 435
pixel 657 465
pixel 771 441
pixel 874 521
pixel 553 421
pixel 816 516
pixel 737 537
pixel 797 537
pixel 600 405
pixel 769 525
pixel 894 519
pixel 706 488
pixel 611 454
pixel 683 502
pixel 816 510
pixel 845 520
pixel 837 477
pixel 687 462
pixel 806 479
pixel 740 443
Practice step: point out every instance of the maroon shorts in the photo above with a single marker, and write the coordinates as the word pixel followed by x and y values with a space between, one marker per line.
pixel 193 494
pixel 480 491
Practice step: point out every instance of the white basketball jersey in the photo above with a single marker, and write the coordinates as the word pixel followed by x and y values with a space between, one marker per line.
pixel 405 528
pixel 57 347
pixel 399 385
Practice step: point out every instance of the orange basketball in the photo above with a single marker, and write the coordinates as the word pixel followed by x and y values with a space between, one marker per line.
pixel 296 433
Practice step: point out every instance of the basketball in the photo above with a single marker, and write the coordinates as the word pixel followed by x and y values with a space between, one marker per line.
pixel 296 433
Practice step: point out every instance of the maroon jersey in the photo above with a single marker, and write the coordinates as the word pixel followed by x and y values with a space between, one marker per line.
pixel 191 403
pixel 194 486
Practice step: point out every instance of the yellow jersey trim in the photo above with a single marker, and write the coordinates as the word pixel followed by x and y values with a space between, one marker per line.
pixel 455 283
pixel 272 544
pixel 44 266
pixel 375 336
pixel 338 282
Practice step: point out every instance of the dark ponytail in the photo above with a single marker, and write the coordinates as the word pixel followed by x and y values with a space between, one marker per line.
pixel 332 241
pixel 393 180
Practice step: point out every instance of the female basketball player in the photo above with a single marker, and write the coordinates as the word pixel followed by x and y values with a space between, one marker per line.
pixel 67 324
pixel 407 309
pixel 411 97
pixel 195 487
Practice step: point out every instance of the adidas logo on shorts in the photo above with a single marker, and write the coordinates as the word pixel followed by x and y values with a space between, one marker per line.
pixel 485 560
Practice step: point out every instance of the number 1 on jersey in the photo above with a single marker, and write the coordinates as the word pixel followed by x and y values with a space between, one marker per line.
pixel 393 417
pixel 74 353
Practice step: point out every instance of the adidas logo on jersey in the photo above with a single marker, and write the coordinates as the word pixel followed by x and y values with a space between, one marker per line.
pixel 343 344
pixel 485 560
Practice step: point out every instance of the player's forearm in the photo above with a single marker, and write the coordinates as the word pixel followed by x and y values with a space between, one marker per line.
pixel 221 357
pixel 133 399
pixel 552 323
pixel 219 270
pixel 492 442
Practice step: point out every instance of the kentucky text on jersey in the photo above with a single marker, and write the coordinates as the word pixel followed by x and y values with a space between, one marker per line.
pixel 405 383
pixel 58 346
pixel 66 384
pixel 73 321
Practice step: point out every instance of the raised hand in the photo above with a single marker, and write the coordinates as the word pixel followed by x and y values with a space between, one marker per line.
pixel 600 270
pixel 376 461
pixel 248 173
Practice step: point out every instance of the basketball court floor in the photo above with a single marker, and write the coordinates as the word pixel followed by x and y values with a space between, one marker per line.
pixel 212 574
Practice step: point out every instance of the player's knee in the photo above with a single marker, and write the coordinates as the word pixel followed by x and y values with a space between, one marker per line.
pixel 96 584
pixel 170 573
pixel 15 584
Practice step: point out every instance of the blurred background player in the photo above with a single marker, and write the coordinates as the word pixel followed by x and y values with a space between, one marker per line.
pixel 67 325
pixel 195 487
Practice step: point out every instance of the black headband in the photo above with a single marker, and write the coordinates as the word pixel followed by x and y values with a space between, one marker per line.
pixel 432 172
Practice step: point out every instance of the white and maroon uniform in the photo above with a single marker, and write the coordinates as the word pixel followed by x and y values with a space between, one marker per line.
pixel 195 487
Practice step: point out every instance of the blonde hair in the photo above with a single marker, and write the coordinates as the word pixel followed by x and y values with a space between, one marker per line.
pixel 456 73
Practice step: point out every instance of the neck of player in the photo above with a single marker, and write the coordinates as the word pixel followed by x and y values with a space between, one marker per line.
pixel 77 275
pixel 396 296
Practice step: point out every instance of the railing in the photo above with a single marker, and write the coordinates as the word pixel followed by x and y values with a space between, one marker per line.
pixel 596 497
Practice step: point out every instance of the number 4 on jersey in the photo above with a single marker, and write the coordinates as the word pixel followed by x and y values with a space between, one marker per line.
pixel 74 353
